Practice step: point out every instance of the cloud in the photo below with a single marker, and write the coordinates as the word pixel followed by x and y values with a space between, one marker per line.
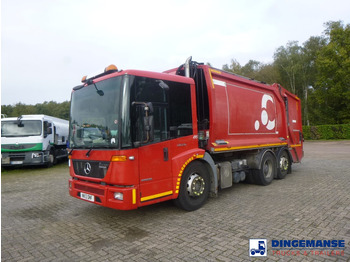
pixel 47 46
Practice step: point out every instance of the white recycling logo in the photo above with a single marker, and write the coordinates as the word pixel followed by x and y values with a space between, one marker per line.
pixel 265 121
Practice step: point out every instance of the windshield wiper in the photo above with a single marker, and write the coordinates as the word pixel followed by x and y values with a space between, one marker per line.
pixel 99 91
pixel 88 152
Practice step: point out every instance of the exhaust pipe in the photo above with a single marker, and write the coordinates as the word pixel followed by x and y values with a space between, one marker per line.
pixel 187 66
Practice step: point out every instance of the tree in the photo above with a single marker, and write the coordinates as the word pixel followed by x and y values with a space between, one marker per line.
pixel 297 67
pixel 60 110
pixel 332 90
pixel 288 61
pixel 310 51
pixel 254 70
pixel 318 72
pixel 251 69
pixel 234 67
pixel 268 73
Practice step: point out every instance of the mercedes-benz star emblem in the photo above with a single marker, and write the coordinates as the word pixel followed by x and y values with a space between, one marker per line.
pixel 87 168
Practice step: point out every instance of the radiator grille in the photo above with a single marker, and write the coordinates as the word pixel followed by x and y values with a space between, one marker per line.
pixel 17 147
pixel 95 169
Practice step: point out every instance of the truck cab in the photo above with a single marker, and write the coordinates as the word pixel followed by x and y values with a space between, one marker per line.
pixel 145 128
pixel 33 140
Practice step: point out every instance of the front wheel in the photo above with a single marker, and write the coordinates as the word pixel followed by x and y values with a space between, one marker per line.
pixel 51 159
pixel 194 188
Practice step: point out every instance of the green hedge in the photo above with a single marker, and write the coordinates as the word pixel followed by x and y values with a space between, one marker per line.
pixel 327 132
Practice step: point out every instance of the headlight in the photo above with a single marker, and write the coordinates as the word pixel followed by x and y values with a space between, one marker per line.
pixel 118 196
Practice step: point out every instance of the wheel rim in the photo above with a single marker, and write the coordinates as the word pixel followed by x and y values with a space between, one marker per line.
pixel 268 169
pixel 51 158
pixel 284 163
pixel 195 185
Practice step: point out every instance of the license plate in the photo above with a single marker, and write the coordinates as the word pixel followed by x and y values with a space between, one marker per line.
pixel 16 162
pixel 87 197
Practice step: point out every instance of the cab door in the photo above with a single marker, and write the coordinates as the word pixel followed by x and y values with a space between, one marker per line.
pixel 155 160
pixel 161 112
pixel 150 117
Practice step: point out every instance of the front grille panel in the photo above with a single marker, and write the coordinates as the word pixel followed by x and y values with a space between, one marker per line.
pixel 89 189
pixel 17 147
pixel 17 157
pixel 95 169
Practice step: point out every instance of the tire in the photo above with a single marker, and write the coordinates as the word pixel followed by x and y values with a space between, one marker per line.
pixel 267 171
pixel 52 159
pixel 194 187
pixel 250 177
pixel 283 164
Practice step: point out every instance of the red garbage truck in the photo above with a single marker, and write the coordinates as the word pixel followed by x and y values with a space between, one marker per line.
pixel 138 138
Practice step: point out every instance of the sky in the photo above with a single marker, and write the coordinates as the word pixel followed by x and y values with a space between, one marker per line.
pixel 47 46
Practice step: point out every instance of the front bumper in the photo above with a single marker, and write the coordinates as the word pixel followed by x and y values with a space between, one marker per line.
pixel 104 194
pixel 24 158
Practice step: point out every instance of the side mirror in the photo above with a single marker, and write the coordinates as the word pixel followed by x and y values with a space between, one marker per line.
pixel 148 123
pixel 80 133
pixel 47 129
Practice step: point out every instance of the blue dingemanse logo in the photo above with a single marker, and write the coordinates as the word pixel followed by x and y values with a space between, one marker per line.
pixel 257 247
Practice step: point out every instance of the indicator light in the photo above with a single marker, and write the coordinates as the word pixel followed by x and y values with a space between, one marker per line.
pixel 118 159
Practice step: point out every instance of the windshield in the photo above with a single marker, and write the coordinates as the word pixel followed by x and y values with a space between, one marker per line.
pixel 21 128
pixel 94 116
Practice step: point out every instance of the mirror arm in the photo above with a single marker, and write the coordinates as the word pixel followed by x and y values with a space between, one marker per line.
pixel 147 126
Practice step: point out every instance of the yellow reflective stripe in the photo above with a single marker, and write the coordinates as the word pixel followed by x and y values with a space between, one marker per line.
pixel 157 195
pixel 134 196
pixel 211 79
pixel 215 71
pixel 195 156
pixel 296 145
pixel 246 147
pixel 211 76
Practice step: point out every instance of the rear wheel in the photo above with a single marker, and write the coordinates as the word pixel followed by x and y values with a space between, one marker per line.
pixel 250 177
pixel 267 171
pixel 194 188
pixel 283 164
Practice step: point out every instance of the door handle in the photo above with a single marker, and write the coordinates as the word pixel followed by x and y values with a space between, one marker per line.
pixel 165 154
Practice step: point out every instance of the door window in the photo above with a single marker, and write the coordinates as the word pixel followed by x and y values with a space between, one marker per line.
pixel 170 109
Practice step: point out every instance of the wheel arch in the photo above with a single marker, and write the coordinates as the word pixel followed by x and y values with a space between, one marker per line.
pixel 254 158
pixel 209 163
pixel 263 153
pixel 181 162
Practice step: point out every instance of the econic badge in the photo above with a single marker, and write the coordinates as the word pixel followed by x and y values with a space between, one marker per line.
pixel 257 247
